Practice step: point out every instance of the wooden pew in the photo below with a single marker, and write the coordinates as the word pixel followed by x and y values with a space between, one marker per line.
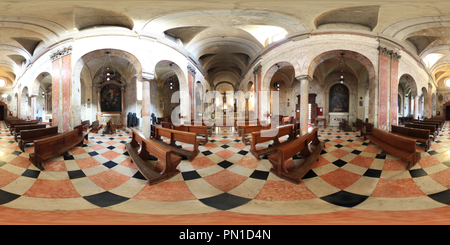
pixel 8 123
pixel 28 136
pixel 432 128
pixel 359 124
pixel 85 125
pixel 202 132
pixel 166 125
pixel 142 148
pixel 19 128
pixel 441 123
pixel 13 125
pixel 308 145
pixel 246 133
pixel 435 123
pixel 8 119
pixel 209 126
pixel 344 126
pixel 164 119
pixel 240 124
pixel 288 120
pixel 95 126
pixel 398 146
pixel 420 135
pixel 259 137
pixel 57 145
pixel 180 136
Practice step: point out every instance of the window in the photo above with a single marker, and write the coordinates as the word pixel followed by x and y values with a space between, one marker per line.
pixel 309 114
pixel 2 82
pixel 138 90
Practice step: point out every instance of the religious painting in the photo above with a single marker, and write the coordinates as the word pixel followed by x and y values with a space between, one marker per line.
pixel 339 98
pixel 111 99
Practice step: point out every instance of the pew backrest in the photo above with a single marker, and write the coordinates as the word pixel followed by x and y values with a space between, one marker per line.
pixel 19 128
pixel 35 133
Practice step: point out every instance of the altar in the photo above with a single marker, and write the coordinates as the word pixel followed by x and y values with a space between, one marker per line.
pixel 116 118
pixel 337 117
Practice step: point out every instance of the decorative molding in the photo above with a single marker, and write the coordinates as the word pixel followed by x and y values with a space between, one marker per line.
pixel 301 77
pixel 390 53
pixel 60 52
pixel 191 69
pixel 257 68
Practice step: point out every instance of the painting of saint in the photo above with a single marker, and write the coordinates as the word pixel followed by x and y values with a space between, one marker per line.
pixel 339 98
pixel 111 99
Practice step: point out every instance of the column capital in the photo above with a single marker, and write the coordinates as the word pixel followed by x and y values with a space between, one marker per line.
pixel 147 77
pixel 60 52
pixel 304 77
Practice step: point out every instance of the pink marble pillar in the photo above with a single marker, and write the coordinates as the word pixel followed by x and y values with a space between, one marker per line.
pixel 61 92
pixel 55 92
pixel 383 90
pixel 66 91
pixel 394 92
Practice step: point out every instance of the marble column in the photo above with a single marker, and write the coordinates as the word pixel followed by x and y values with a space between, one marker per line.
pixel 394 90
pixel 257 84
pixel 146 122
pixel 99 110
pixel 61 90
pixel 384 93
pixel 304 92
pixel 33 106
pixel 123 114
pixel 416 106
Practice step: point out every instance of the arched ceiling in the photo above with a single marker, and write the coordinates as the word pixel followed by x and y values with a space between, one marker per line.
pixel 224 36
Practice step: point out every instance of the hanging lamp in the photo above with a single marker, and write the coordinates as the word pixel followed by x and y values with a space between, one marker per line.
pixel 342 75
pixel 108 70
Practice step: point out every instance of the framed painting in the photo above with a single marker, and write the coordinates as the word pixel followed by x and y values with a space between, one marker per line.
pixel 339 98
pixel 111 98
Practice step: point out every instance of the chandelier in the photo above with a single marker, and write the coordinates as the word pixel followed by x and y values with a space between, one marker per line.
pixel 342 75
pixel 170 81
pixel 108 70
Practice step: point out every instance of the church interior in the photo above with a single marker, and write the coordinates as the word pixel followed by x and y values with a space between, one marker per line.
pixel 154 112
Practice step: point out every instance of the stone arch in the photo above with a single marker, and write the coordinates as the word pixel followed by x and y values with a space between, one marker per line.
pixel 165 69
pixel 426 101
pixel 364 61
pixel 271 72
pixel 287 72
pixel 412 83
pixel 75 97
pixel 24 102
pixel 37 82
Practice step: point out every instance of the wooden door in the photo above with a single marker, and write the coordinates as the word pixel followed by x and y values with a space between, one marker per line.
pixel 313 113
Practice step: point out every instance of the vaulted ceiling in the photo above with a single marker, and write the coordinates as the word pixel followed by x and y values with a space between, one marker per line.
pixel 224 36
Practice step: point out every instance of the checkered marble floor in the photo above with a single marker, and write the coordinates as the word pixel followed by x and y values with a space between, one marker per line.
pixel 349 174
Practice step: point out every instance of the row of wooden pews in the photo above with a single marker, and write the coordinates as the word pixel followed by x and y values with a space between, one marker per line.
pixel 142 149
pixel 307 146
pixel 48 143
pixel 399 146
pixel 56 145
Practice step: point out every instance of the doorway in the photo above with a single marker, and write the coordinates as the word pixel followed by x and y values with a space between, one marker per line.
pixel 447 115
pixel 2 113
